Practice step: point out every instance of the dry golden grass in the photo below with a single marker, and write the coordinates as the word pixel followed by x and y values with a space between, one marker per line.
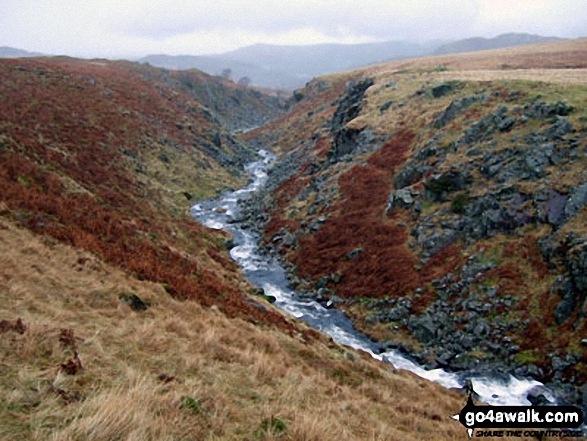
pixel 567 54
pixel 139 367
pixel 561 76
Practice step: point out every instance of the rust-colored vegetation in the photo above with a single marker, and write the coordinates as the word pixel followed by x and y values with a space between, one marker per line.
pixel 385 266
pixel 70 167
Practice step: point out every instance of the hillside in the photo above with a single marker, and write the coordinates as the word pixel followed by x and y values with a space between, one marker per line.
pixel 289 67
pixel 440 202
pixel 121 317
pixel 501 41
pixel 10 52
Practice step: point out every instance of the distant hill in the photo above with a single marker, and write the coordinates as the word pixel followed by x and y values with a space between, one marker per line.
pixel 501 41
pixel 215 64
pixel 288 67
pixel 10 52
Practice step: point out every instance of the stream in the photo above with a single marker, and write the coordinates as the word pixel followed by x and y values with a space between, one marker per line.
pixel 266 272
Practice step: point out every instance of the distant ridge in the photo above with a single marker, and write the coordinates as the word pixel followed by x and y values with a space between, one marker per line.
pixel 480 43
pixel 10 52
pixel 288 67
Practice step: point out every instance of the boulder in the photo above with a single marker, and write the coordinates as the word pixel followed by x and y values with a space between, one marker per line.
pixel 439 185
pixel 441 89
pixel 577 200
pixel 578 268
pixel 400 198
pixel 563 287
pixel 454 109
pixel 134 301
pixel 423 328
pixel 555 208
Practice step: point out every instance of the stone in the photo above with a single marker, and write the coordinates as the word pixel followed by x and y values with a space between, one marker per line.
pixel 578 268
pixel 439 240
pixel 577 200
pixel 288 240
pixel 385 106
pixel 400 198
pixel 555 208
pixel 441 89
pixel 354 253
pixel 537 396
pixel 423 328
pixel 134 301
pixel 454 109
pixel 349 107
pixel 559 129
pixel 437 186
pixel 563 287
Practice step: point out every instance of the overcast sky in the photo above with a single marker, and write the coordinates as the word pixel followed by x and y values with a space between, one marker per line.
pixel 126 28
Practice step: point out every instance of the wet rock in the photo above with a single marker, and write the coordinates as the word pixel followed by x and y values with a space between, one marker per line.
pixel 333 301
pixel 261 293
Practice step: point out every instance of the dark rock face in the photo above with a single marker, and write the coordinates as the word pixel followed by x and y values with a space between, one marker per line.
pixel 135 302
pixel 482 129
pixel 349 107
pixel 423 328
pixel 578 268
pixel 563 287
pixel 554 208
pixel 441 89
pixel 454 109
pixel 541 110
pixel 438 186
pixel 577 200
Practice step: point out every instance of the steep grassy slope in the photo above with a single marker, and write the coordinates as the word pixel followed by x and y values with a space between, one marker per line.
pixel 96 156
pixel 445 214
pixel 84 366
pixel 120 317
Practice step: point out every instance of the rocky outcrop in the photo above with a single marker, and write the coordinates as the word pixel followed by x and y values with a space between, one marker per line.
pixel 345 139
